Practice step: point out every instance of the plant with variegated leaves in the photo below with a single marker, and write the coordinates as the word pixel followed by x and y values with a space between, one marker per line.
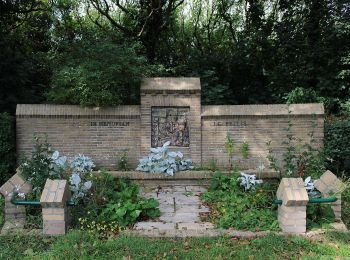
pixel 161 160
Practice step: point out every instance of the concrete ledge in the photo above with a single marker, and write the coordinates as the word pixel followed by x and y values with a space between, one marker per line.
pixel 170 83
pixel 48 110
pixel 185 175
pixel 338 226
pixel 175 233
pixel 262 110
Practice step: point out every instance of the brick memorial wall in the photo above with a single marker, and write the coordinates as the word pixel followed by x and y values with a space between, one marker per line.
pixel 257 125
pixel 170 110
pixel 100 133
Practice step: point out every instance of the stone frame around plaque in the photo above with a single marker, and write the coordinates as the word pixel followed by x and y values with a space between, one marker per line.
pixel 170 123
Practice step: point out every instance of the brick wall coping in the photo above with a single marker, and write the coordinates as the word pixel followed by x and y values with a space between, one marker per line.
pixel 184 175
pixel 262 110
pixel 73 110
pixel 170 83
pixel 134 110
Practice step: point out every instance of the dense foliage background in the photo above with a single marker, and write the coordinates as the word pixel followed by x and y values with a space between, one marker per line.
pixel 94 52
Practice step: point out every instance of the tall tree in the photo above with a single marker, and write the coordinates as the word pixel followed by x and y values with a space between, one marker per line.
pixel 143 20
pixel 24 42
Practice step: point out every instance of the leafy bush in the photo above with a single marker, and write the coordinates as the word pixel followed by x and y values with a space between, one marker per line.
pixel 161 160
pixel 113 203
pixel 300 158
pixel 232 207
pixel 37 169
pixel 100 73
pixel 303 95
pixel 346 204
pixel 46 164
pixel 7 147
pixel 245 150
pixel 230 149
pixel 319 216
pixel 81 167
pixel 122 163
pixel 345 108
pixel 337 146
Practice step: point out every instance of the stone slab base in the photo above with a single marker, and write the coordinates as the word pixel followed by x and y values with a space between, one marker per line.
pixel 177 233
pixel 186 175
pixel 183 177
pixel 338 226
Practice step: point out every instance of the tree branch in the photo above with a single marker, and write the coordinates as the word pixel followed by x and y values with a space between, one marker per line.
pixel 105 13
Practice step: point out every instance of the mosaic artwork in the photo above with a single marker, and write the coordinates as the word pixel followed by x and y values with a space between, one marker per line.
pixel 170 124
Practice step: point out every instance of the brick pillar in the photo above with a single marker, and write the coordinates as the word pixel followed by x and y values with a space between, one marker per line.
pixel 53 200
pixel 292 212
pixel 329 185
pixel 158 93
pixel 15 216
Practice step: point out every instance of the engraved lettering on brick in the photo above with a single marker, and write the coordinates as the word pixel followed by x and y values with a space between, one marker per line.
pixel 229 123
pixel 170 124
pixel 109 123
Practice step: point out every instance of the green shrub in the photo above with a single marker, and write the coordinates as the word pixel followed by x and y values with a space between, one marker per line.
pixel 301 159
pixel 232 207
pixel 98 73
pixel 303 95
pixel 37 169
pixel 337 146
pixel 48 164
pixel 111 204
pixel 345 108
pixel 345 208
pixel 7 147
pixel 319 216
pixel 122 162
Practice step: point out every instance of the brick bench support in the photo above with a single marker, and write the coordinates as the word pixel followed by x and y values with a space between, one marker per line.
pixel 329 185
pixel 292 212
pixel 53 200
pixel 15 216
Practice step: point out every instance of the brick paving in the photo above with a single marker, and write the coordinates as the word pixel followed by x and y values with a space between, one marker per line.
pixel 180 208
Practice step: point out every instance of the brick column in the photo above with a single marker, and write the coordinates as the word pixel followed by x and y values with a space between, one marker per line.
pixel 172 92
pixel 292 212
pixel 53 200
pixel 329 185
pixel 15 216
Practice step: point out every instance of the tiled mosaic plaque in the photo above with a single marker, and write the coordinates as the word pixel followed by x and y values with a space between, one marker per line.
pixel 170 124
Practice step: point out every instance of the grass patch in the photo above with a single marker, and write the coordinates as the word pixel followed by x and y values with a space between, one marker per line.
pixel 20 246
pixel 81 245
